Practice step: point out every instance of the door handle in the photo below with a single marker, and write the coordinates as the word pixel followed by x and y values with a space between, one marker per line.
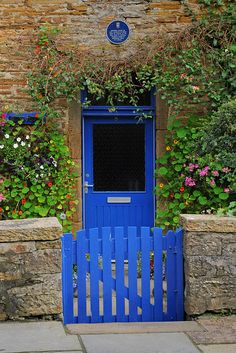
pixel 86 186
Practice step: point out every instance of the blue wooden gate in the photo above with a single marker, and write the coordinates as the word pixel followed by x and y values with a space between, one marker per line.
pixel 137 276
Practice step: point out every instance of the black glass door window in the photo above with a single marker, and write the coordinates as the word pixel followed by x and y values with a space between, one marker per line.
pixel 119 157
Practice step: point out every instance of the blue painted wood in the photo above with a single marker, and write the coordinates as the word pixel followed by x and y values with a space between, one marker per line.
pixel 107 274
pixel 94 275
pixel 113 243
pixel 158 272
pixel 171 276
pixel 119 258
pixel 132 273
pixel 100 213
pixel 67 278
pixel 81 275
pixel 28 118
pixel 145 273
pixel 179 276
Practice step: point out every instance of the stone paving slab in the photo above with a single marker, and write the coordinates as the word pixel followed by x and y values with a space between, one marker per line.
pixel 36 337
pixel 216 330
pixel 139 343
pixel 218 348
pixel 134 327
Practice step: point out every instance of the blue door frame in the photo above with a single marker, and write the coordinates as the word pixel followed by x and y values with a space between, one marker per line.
pixel 97 212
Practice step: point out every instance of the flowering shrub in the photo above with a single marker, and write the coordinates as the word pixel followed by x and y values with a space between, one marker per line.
pixel 188 181
pixel 36 173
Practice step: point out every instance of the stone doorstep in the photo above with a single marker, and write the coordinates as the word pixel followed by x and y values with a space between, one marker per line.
pixel 133 327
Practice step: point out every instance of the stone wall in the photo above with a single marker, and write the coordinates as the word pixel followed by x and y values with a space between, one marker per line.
pixel 30 268
pixel 210 263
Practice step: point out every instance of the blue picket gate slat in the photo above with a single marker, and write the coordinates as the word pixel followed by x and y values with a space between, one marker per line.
pixel 107 274
pixel 81 275
pixel 145 274
pixel 179 276
pixel 158 273
pixel 67 278
pixel 171 276
pixel 94 275
pixel 119 257
pixel 108 244
pixel 132 273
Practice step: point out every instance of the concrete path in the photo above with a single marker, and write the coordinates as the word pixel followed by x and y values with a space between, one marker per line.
pixel 206 335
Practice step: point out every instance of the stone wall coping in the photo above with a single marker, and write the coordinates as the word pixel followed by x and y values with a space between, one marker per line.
pixel 208 223
pixel 47 228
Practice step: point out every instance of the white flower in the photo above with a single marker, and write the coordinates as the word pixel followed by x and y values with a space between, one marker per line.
pixel 18 139
pixel 29 145
pixel 15 145
pixel 42 175
pixel 36 176
pixel 7 136
pixel 22 143
pixel 63 216
pixel 27 137
pixel 41 167
pixel 1 146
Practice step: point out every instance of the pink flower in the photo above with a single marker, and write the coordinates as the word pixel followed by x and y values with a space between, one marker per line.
pixel 182 76
pixel 4 115
pixel 215 173
pixel 204 171
pixel 1 181
pixel 2 198
pixel 189 181
pixel 226 189
pixel 226 170
pixel 212 182
pixel 2 123
pixel 195 88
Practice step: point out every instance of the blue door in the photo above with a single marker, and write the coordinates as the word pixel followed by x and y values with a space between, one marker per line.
pixel 118 175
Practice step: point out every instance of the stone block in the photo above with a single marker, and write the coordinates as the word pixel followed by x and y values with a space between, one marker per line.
pixel 30 229
pixel 199 243
pixel 208 223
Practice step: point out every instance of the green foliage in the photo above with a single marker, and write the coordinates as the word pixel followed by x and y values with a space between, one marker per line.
pixel 197 66
pixel 220 135
pixel 190 182
pixel 36 173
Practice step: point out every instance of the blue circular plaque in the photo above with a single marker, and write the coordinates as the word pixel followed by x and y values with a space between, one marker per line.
pixel 117 32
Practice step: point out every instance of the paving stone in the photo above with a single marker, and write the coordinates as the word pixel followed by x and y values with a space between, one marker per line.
pixel 139 343
pixel 134 327
pixel 218 348
pixel 216 330
pixel 36 337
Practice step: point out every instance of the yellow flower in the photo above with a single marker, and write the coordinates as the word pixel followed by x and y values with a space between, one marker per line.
pixel 175 142
pixel 161 185
pixel 168 148
pixel 69 162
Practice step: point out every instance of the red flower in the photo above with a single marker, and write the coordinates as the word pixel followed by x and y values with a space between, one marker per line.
pixel 50 184
pixel 20 213
pixel 1 209
pixel 46 43
pixel 181 189
pixel 36 116
pixel 68 196
pixel 23 201
pixel 172 195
